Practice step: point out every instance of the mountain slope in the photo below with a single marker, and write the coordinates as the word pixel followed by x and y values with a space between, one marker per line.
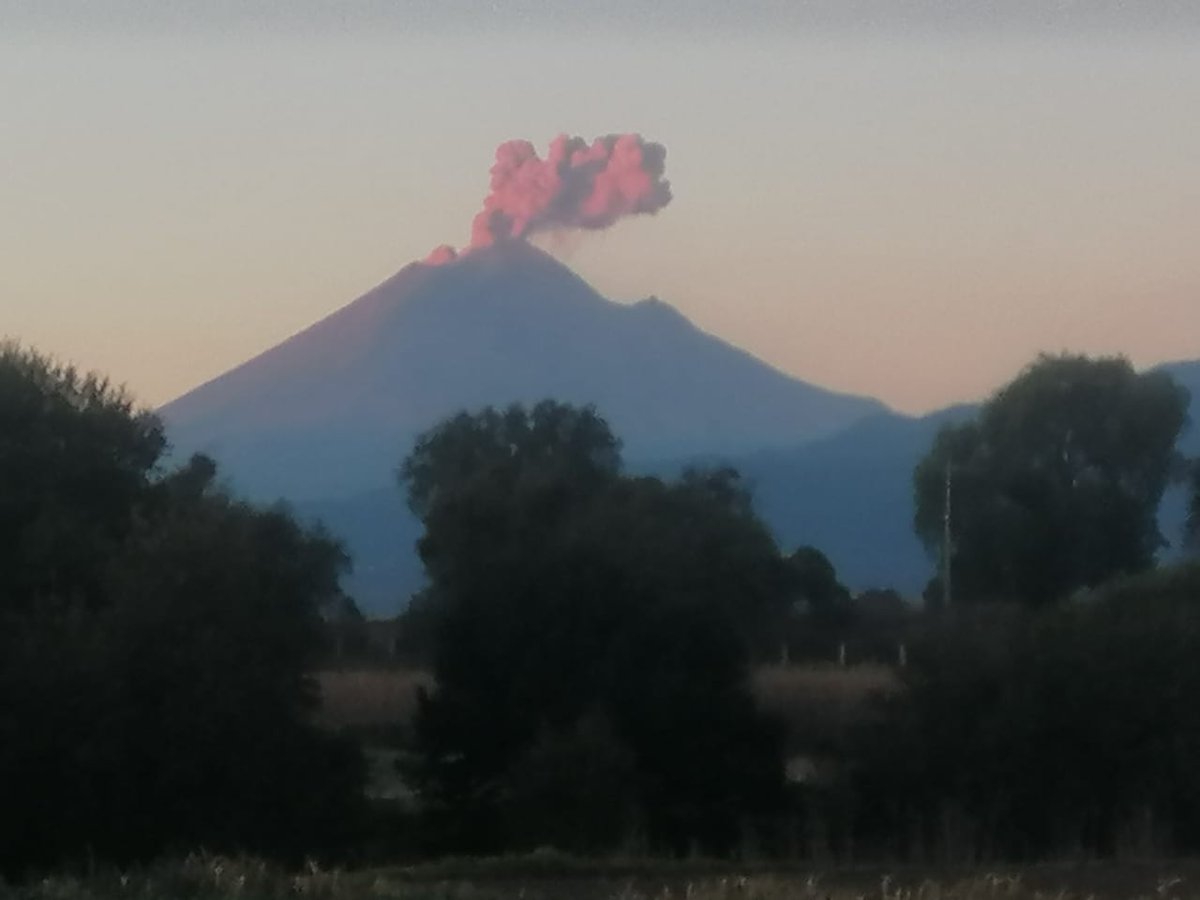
pixel 1188 374
pixel 332 410
pixel 849 494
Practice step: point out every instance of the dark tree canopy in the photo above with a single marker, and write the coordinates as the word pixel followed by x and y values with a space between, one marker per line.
pixel 75 457
pixel 817 589
pixel 156 643
pixel 550 441
pixel 1056 484
pixel 1069 730
pixel 566 594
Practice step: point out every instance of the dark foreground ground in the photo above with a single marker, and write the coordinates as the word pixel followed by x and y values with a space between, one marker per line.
pixel 542 877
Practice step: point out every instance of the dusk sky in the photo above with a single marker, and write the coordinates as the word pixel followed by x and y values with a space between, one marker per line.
pixel 903 199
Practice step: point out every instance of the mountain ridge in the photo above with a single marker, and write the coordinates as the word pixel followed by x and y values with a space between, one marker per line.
pixel 347 395
pixel 849 494
pixel 333 409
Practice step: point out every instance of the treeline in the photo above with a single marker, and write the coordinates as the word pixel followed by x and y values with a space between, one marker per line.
pixel 1069 731
pixel 592 635
pixel 1050 708
pixel 156 644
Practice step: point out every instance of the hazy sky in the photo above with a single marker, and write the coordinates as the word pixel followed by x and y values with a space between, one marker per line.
pixel 901 198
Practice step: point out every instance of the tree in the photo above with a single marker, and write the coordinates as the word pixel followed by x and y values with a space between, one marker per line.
pixel 221 603
pixel 156 643
pixel 1056 484
pixel 565 593
pixel 75 458
pixel 816 586
pixel 1030 734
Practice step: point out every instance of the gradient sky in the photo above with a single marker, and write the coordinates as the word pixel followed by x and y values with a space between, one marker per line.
pixel 893 197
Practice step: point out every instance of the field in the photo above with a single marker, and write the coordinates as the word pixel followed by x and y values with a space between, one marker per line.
pixel 824 698
pixel 551 877
pixel 370 698
pixel 817 703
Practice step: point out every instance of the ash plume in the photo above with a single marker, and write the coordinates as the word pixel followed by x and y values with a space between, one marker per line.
pixel 576 186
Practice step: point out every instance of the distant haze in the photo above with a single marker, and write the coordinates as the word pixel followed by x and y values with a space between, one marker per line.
pixel 899 198
pixel 623 15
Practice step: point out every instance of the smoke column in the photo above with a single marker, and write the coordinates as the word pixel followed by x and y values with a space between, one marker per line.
pixel 577 185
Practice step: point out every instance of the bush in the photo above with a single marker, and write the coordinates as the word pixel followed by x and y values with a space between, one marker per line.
pixel 562 590
pixel 1029 735
pixel 573 790
pixel 155 640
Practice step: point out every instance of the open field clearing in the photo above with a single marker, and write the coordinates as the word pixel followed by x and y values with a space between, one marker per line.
pixel 820 703
pixel 552 877
pixel 367 698
pixel 820 697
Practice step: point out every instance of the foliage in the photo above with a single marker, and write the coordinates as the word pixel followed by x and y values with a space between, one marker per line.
pixel 1026 735
pixel 564 591
pixel 155 644
pixel 574 789
pixel 818 592
pixel 1056 484
pixel 75 457
pixel 554 444
pixel 549 876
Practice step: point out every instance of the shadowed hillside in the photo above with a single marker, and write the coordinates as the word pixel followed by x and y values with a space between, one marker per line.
pixel 333 410
pixel 324 418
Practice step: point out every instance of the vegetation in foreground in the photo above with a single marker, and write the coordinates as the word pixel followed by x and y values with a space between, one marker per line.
pixel 550 876
pixel 156 640
pixel 821 699
pixel 596 640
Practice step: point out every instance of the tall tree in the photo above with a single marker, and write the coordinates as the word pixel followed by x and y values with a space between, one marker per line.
pixel 75 459
pixel 1033 734
pixel 1056 484
pixel 566 594
pixel 816 586
pixel 156 638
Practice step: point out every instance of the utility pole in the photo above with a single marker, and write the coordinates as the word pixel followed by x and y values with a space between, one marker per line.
pixel 947 540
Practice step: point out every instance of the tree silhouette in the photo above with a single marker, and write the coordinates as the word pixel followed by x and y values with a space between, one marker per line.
pixel 156 638
pixel 565 593
pixel 816 586
pixel 75 460
pixel 1056 484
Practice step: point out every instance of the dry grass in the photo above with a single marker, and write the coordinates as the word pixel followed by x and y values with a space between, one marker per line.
pixel 818 702
pixel 781 688
pixel 549 877
pixel 370 698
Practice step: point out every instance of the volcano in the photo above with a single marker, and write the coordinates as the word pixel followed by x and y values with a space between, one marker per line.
pixel 332 411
